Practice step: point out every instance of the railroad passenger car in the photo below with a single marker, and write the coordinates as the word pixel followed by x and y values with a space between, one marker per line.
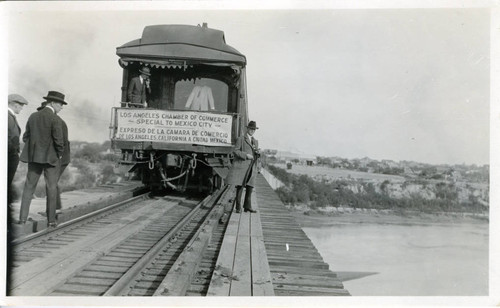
pixel 196 110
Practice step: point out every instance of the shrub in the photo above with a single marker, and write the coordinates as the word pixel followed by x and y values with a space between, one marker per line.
pixel 86 177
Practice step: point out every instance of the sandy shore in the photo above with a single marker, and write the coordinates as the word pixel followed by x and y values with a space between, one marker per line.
pixel 315 219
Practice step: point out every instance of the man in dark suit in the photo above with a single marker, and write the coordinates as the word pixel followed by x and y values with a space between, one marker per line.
pixel 66 157
pixel 43 150
pixel 139 88
pixel 16 103
pixel 244 168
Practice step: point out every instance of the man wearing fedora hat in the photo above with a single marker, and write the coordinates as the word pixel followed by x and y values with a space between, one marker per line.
pixel 43 150
pixel 15 104
pixel 139 88
pixel 66 157
pixel 244 168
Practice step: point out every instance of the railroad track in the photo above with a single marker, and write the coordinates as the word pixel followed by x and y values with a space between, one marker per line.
pixel 151 274
pixel 127 250
pixel 40 244
pixel 201 280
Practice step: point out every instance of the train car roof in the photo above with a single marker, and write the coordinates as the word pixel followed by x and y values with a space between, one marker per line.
pixel 162 44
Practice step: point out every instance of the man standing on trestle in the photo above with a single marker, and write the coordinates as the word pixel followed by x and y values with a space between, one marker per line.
pixel 244 168
pixel 43 150
pixel 16 103
pixel 65 159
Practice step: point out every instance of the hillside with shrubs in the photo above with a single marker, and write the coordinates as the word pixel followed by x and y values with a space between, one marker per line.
pixel 427 188
pixel 92 164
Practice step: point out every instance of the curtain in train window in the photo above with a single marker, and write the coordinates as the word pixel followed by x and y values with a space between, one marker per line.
pixel 201 95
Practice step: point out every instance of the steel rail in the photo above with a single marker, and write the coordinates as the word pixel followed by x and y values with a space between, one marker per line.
pixel 71 223
pixel 181 274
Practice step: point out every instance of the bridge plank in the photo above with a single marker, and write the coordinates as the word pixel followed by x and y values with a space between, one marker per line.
pixel 241 285
pixel 255 226
pixel 92 281
pixel 301 264
pixel 261 276
pixel 306 280
pixel 291 290
pixel 249 273
pixel 296 258
pixel 262 284
pixel 299 270
pixel 81 289
pixel 220 282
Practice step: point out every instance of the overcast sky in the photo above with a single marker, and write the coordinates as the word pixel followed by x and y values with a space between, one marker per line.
pixel 401 84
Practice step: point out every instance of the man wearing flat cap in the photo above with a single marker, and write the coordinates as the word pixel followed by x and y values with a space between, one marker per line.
pixel 16 103
pixel 244 168
pixel 139 88
pixel 43 150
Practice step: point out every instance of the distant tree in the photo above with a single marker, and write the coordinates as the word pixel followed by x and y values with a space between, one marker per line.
pixel 384 186
pixel 111 157
pixel 106 145
pixel 428 171
pixel 323 160
pixel 437 176
pixel 355 164
pixel 374 166
pixel 89 152
pixel 107 173
pixel 446 191
pixel 86 177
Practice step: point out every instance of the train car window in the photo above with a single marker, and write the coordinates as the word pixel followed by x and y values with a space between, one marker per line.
pixel 202 95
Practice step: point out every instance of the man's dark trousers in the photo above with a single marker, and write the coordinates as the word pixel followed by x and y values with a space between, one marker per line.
pixel 12 163
pixel 248 197
pixel 61 171
pixel 51 175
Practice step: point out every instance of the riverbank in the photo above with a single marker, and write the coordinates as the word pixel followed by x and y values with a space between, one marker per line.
pixel 311 218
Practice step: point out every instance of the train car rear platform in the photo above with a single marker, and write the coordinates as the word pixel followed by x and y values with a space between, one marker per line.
pixel 268 254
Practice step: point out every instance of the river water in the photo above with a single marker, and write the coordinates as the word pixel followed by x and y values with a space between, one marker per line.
pixel 439 259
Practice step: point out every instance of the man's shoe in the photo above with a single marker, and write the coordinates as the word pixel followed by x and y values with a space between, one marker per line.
pixel 44 214
pixel 21 222
pixel 237 210
pixel 52 225
pixel 251 210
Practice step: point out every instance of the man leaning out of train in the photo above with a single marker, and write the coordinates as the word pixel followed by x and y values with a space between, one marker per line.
pixel 139 88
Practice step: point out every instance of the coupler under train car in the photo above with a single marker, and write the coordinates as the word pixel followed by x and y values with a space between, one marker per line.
pixel 162 171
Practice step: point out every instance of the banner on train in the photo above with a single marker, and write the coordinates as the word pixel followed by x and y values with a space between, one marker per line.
pixel 173 126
